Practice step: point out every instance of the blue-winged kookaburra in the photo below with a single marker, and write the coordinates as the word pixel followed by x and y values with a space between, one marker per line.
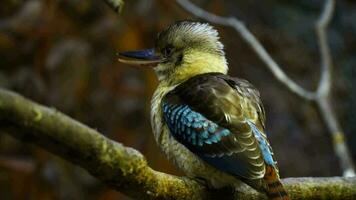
pixel 209 124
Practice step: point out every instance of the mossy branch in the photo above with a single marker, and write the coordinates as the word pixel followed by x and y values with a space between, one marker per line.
pixel 124 168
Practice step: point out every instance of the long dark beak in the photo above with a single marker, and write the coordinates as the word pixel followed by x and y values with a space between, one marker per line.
pixel 145 57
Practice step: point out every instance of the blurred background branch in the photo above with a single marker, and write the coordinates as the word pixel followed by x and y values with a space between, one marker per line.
pixel 320 96
pixel 124 168
pixel 116 5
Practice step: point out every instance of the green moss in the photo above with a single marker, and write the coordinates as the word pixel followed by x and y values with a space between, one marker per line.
pixel 38 115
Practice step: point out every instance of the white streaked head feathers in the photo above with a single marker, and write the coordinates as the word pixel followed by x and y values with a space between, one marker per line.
pixel 193 33
pixel 189 48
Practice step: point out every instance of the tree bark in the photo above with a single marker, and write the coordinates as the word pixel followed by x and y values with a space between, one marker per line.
pixel 124 168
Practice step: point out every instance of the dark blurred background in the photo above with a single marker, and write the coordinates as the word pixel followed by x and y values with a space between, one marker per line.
pixel 62 54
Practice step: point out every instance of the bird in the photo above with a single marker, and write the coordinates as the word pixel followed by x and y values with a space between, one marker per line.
pixel 209 124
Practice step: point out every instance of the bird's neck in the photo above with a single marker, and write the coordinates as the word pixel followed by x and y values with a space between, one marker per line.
pixel 195 63
pixel 156 109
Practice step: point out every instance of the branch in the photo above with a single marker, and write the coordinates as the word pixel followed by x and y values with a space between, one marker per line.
pixel 321 26
pixel 116 5
pixel 320 96
pixel 323 92
pixel 124 168
pixel 251 40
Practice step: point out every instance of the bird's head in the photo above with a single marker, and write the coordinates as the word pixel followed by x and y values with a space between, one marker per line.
pixel 181 51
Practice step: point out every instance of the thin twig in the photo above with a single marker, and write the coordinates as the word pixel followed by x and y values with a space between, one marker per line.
pixel 253 42
pixel 321 26
pixel 320 96
pixel 323 91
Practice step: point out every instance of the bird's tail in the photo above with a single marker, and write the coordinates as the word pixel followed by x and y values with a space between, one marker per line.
pixel 275 190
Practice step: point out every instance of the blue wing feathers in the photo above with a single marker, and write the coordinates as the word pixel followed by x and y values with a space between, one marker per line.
pixel 191 126
pixel 263 144
pixel 195 132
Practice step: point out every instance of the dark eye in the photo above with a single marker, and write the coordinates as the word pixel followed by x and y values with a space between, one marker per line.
pixel 167 51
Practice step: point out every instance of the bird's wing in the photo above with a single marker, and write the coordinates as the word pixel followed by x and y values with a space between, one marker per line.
pixel 220 119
